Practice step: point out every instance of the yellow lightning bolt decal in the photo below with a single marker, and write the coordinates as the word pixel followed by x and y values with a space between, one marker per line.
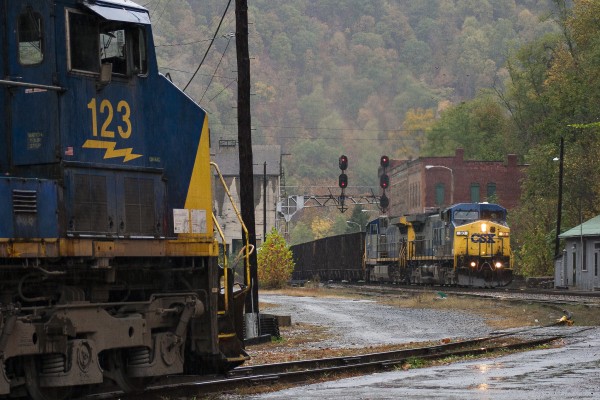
pixel 110 150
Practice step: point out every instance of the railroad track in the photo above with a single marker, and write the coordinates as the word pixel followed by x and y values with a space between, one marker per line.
pixel 547 296
pixel 307 370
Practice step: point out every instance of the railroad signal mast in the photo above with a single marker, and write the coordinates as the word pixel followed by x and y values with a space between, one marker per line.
pixel 384 182
pixel 343 182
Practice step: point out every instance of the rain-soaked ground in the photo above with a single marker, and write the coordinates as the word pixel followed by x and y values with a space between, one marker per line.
pixel 568 372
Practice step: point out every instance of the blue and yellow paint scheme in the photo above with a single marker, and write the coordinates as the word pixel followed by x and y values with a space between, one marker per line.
pixel 107 234
pixel 467 244
pixel 136 129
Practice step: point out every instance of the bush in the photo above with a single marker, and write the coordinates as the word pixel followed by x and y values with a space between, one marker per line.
pixel 275 262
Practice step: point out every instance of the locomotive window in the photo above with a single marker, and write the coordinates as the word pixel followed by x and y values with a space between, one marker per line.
pixel 92 43
pixel 117 41
pixel 83 43
pixel 466 215
pixel 31 38
pixel 140 59
pixel 113 49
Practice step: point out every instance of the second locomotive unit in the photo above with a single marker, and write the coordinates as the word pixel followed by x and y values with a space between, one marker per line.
pixel 108 255
pixel 467 244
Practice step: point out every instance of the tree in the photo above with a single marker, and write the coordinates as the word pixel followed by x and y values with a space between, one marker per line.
pixel 301 233
pixel 275 262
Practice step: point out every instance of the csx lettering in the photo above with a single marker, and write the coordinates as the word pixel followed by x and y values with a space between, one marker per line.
pixel 483 238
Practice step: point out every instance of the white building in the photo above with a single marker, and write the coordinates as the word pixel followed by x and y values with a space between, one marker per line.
pixel 226 155
pixel 579 266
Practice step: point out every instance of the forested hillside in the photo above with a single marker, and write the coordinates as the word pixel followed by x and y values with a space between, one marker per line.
pixel 363 78
pixel 408 78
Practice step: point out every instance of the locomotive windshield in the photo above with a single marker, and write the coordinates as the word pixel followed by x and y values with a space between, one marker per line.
pixel 94 42
pixel 463 216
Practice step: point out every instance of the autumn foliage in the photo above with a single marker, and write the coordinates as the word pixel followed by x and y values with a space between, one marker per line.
pixel 275 262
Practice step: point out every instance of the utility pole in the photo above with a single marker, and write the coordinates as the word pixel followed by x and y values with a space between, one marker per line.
pixel 245 157
pixel 264 203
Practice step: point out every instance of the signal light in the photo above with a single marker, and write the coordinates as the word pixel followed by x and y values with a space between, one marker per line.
pixel 343 162
pixel 385 161
pixel 343 181
pixel 384 202
pixel 384 181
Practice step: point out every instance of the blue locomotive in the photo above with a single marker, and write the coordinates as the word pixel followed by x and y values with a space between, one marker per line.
pixel 467 244
pixel 108 256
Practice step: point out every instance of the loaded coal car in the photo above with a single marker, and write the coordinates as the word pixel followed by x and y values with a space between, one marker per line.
pixel 467 244
pixel 334 258
pixel 108 257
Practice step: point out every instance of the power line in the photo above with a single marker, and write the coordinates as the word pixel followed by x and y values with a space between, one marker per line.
pixel 182 44
pixel 317 128
pixel 209 46
pixel 222 90
pixel 216 68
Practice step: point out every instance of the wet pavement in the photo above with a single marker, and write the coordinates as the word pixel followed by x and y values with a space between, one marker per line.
pixel 569 372
pixel 359 323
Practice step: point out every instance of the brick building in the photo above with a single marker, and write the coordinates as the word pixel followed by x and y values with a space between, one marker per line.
pixel 435 182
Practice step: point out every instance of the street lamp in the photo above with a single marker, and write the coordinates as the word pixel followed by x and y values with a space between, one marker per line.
pixel 451 179
pixel 560 159
pixel 355 223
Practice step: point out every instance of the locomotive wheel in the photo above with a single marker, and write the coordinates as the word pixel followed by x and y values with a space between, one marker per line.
pixel 117 371
pixel 36 392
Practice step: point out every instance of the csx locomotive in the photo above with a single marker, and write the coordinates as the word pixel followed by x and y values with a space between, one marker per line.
pixel 467 244
pixel 108 257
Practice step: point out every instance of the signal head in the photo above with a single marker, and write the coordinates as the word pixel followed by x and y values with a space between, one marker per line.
pixel 343 162
pixel 384 181
pixel 384 202
pixel 385 161
pixel 343 181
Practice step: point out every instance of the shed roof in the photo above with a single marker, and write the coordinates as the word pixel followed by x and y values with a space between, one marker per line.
pixel 588 228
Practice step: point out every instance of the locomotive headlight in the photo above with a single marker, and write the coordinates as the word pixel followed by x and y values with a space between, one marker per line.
pixel 462 233
pixel 484 227
pixel 503 234
pixel 473 264
pixel 498 265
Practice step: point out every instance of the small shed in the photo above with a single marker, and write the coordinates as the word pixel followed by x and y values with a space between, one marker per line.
pixel 578 267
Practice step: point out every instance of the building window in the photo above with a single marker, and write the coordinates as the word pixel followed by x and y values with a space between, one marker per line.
pixel 440 194
pixel 31 38
pixel 491 191
pixel 475 194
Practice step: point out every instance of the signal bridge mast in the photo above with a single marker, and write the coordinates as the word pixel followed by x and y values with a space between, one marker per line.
pixel 290 205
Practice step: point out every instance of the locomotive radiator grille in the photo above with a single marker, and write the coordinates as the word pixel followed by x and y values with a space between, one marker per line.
pixel 139 206
pixel 91 208
pixel 24 201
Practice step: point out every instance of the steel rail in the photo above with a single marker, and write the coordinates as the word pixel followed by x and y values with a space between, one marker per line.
pixel 302 371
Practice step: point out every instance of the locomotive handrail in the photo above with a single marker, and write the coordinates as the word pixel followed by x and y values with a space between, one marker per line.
pixel 32 85
pixel 225 264
pixel 248 282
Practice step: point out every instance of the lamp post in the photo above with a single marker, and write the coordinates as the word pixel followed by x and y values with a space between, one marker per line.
pixel 561 157
pixel 451 179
